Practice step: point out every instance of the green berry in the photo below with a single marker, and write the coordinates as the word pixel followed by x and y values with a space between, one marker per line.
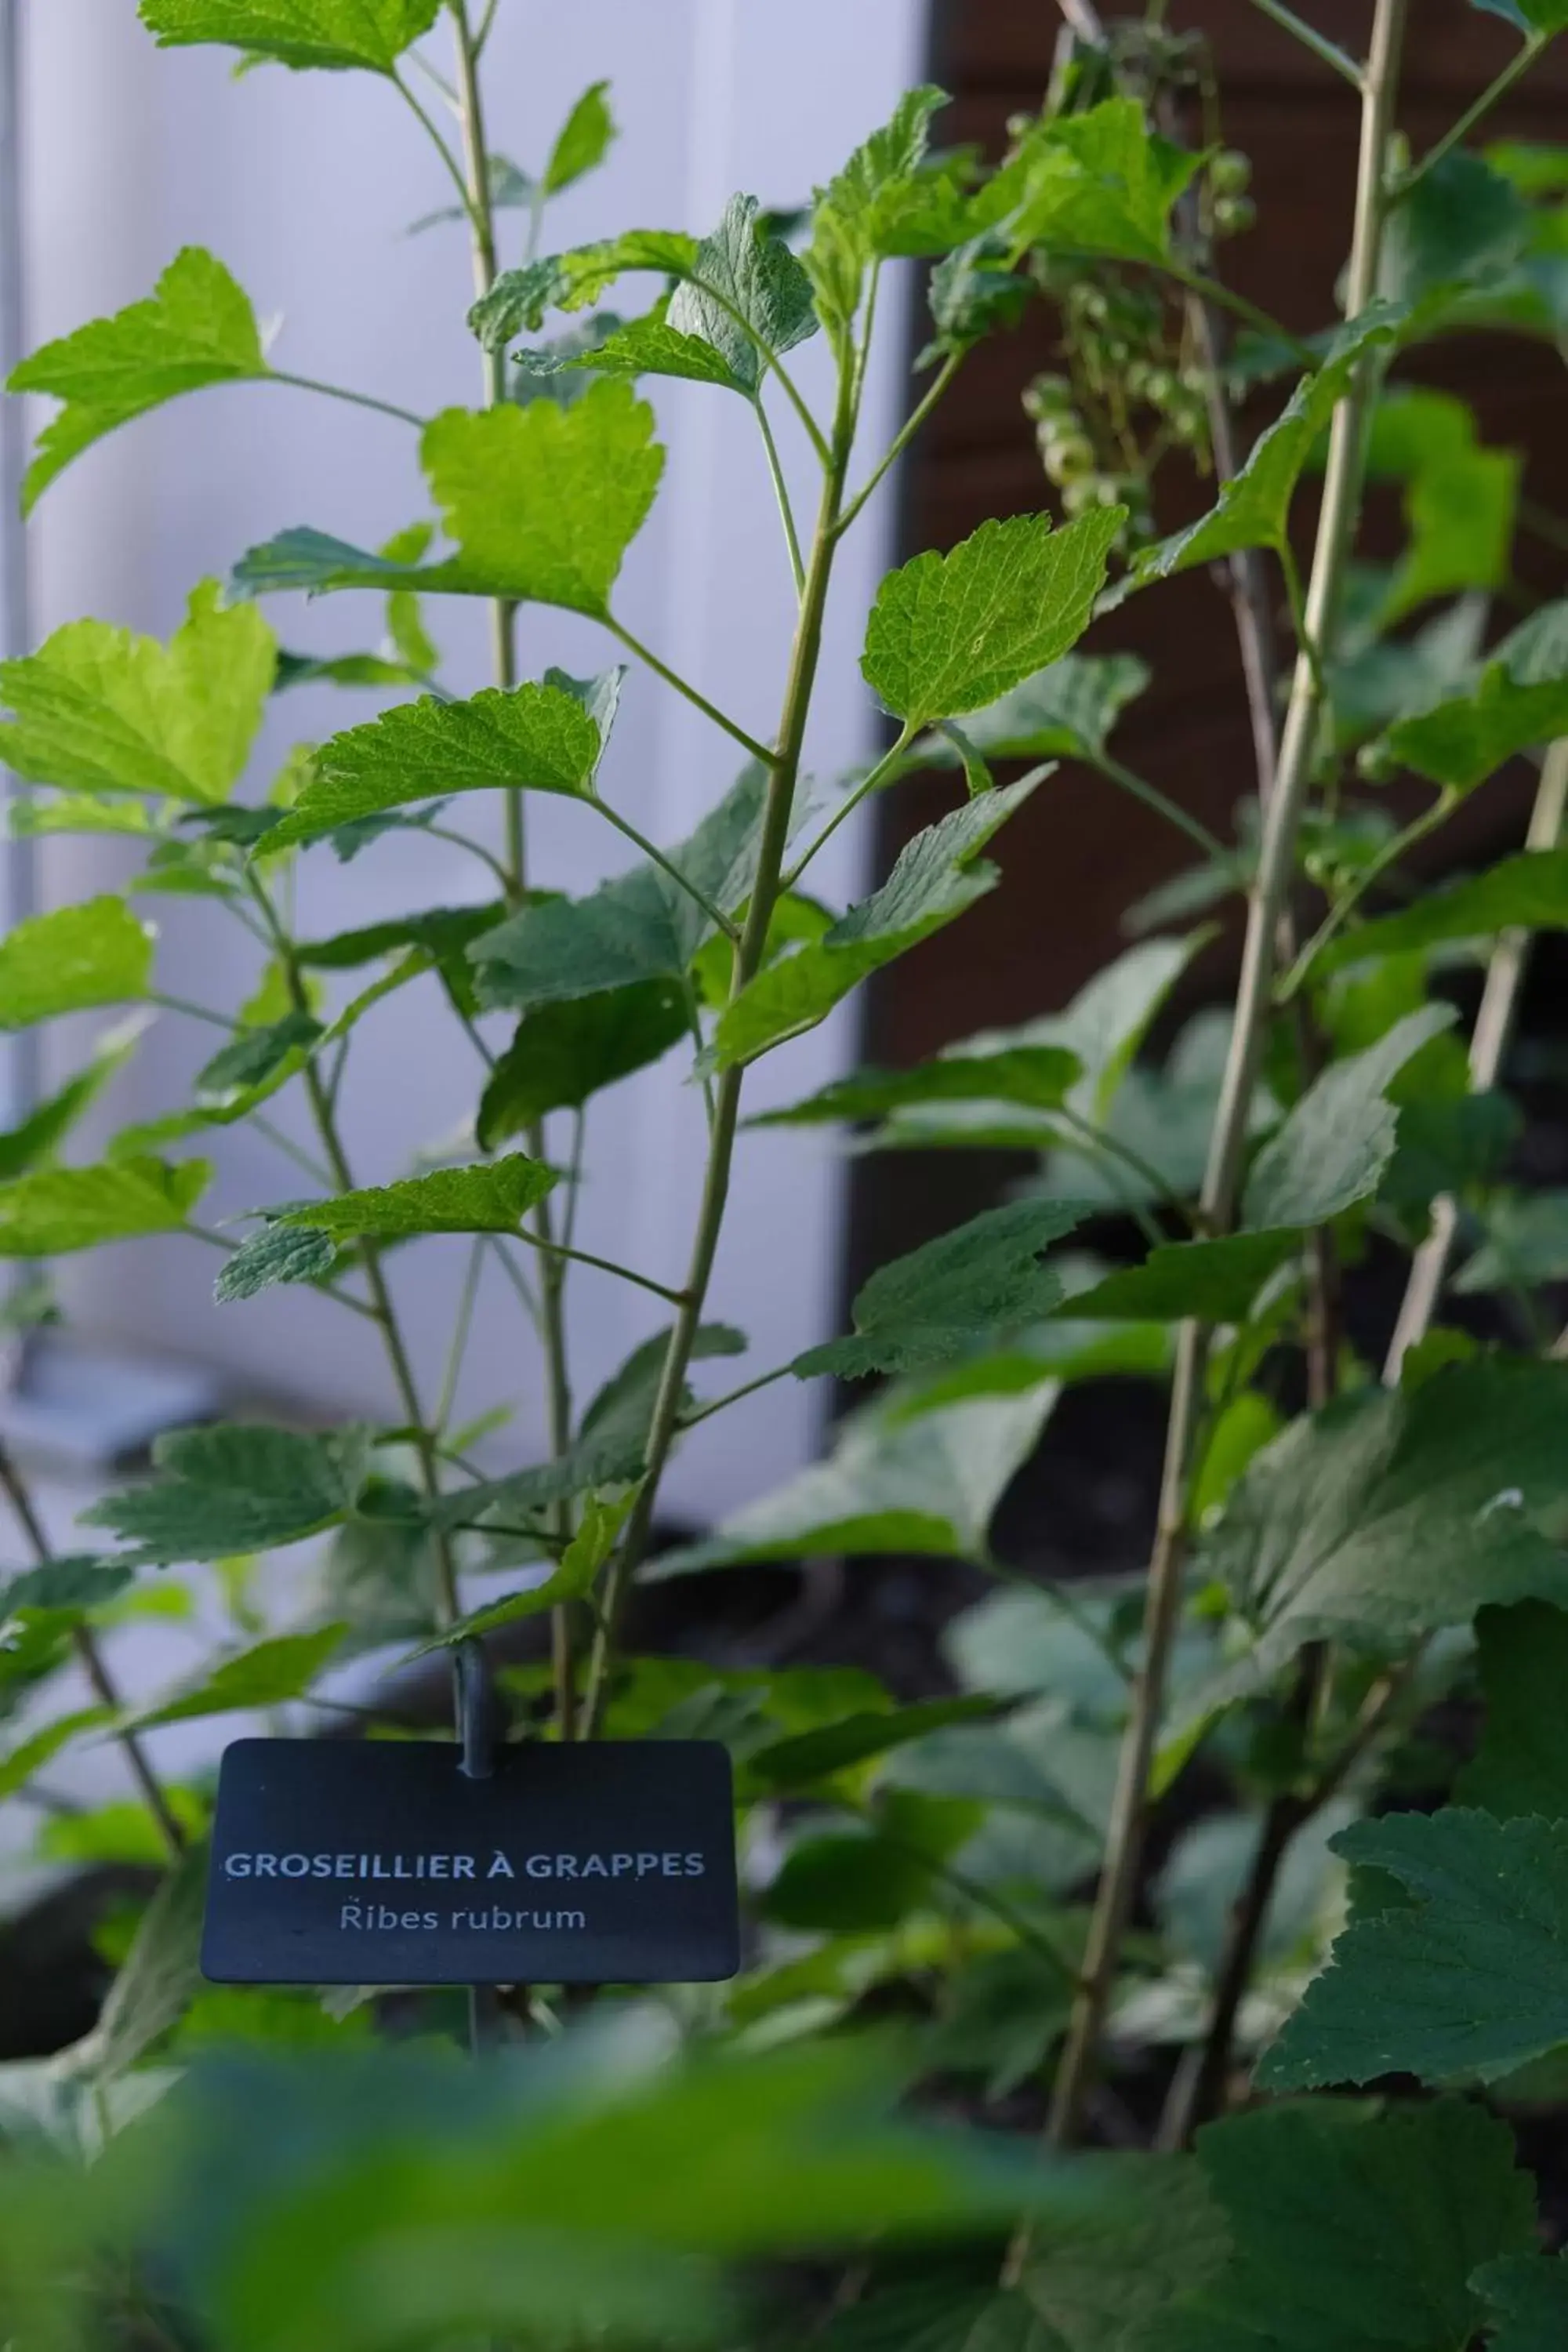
pixel 1067 457
pixel 1234 215
pixel 1230 173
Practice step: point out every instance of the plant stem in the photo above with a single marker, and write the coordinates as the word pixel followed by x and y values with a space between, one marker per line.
pixel 1515 70
pixel 93 1664
pixel 1269 900
pixel 1489 1044
pixel 656 856
pixel 868 783
pixel 1172 811
pixel 683 687
pixel 901 439
pixel 1334 921
pixel 550 1248
pixel 432 131
pixel 355 399
pixel 781 493
pixel 785 769
pixel 1311 38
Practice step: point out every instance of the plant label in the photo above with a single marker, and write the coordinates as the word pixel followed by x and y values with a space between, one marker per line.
pixel 382 1863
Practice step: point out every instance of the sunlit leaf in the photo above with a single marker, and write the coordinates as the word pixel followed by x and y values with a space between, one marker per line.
pixel 333 33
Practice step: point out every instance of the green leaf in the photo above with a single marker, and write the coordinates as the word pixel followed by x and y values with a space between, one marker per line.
pixel 572 1578
pixel 949 634
pixel 269 1674
pixel 196 328
pixel 56 1210
pixel 1530 890
pixel 542 502
pixel 1216 1280
pixel 925 1482
pixel 1037 1078
pixel 258 1055
pixel 74 1581
pixel 1521 1765
pixel 852 1883
pixel 101 710
pixel 1352 2228
pixel 1335 1144
pixel 648 346
pixel 1254 507
pixel 1462 1976
pixel 846 226
pixel 30 1755
pixel 936 877
pixel 95 953
pixel 562 1054
pixel 583 142
pixel 1526 1244
pixel 520 299
pixel 276 1254
pixel 1101 182
pixel 812 1756
pixel 943 1298
pixel 530 738
pixel 334 33
pixel 490 1198
pixel 746 293
pixel 160 1976
pixel 234 1488
pixel 1462 225
pixel 1460 515
pixel 640 927
pixel 1065 711
pixel 1392 1513
pixel 1520 699
pixel 1530 2292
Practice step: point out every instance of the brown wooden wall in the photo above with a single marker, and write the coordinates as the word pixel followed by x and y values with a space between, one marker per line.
pixel 1081 852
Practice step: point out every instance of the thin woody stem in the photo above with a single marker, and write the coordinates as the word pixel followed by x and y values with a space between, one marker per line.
pixel 1269 900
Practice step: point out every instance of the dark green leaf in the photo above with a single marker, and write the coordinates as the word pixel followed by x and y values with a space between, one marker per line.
pixel 333 33
pixel 196 328
pixel 276 1254
pixel 583 142
pixel 99 710
pixel 56 1210
pixel 95 953
pixel 813 1756
pixel 269 1674
pixel 950 1294
pixel 937 876
pixel 1391 1514
pixel 1526 1244
pixel 1066 712
pixel 573 1577
pixel 1522 1766
pixel 158 1978
pixel 542 502
pixel 1462 224
pixel 562 1054
pixel 949 634
pixel 258 1055
pixel 1462 1976
pixel 490 1198
pixel 74 1581
pixel 850 1884
pixel 1354 2228
pixel 1530 890
pixel 1530 2292
pixel 1520 699
pixel 532 738
pixel 1335 1144
pixel 1038 1077
pixel 746 293
pixel 1216 1280
pixel 520 299
pixel 234 1487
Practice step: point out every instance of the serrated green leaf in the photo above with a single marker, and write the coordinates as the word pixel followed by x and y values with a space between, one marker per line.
pixel 234 1488
pixel 1353 2228
pixel 196 328
pixel 269 1674
pixel 942 1298
pixel 1037 1078
pixel 255 1055
pixel 563 1053
pixel 531 739
pixel 572 1578
pixel 331 32
pixel 492 1197
pixel 69 961
pixel 1100 181
pixel 845 220
pixel 1216 1280
pixel 949 634
pixel 1463 224
pixel 1335 1144
pixel 651 346
pixel 541 503
pixel 746 294
pixel 1521 698
pixel 1526 1243
pixel 1530 890
pixel 1066 712
pixel 1460 515
pixel 582 141
pixel 97 710
pixel 1254 507
pixel 925 1482
pixel 1392 1513
pixel 520 299
pixel 1462 1977
pixel 1530 2292
pixel 640 927
pixel 73 1581
pixel 1521 1764
pixel 276 1254
pixel 936 877
pixel 53 1211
